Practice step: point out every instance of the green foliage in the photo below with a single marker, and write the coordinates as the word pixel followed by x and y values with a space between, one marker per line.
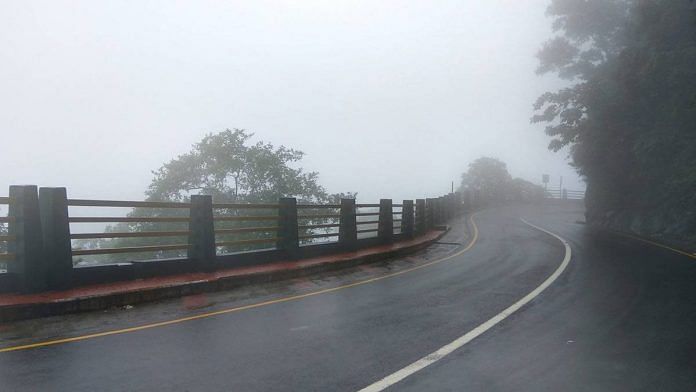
pixel 629 115
pixel 226 166
pixel 231 169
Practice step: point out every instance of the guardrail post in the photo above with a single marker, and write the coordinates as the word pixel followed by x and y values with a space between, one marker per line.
pixel 450 207
pixel 29 263
pixel 348 228
pixel 457 203
pixel 446 207
pixel 385 227
pixel 429 213
pixel 437 211
pixel 53 206
pixel 201 248
pixel 288 234
pixel 407 219
pixel 420 216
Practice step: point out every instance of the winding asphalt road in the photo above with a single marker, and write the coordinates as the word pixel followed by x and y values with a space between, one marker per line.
pixel 621 316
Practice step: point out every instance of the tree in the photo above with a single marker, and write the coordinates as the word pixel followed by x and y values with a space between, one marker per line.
pixel 227 167
pixel 489 177
pixel 628 112
pixel 231 169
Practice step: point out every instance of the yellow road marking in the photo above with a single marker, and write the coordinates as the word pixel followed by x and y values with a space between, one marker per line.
pixel 240 308
pixel 681 252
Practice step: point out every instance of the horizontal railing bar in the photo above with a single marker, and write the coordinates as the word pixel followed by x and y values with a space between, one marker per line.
pixel 7 256
pixel 322 235
pixel 318 226
pixel 131 219
pixel 367 231
pixel 6 219
pixel 367 223
pixel 367 205
pixel 318 206
pixel 4 200
pixel 134 249
pixel 398 205
pixel 126 203
pixel 316 216
pixel 246 230
pixel 245 218
pixel 397 220
pixel 138 234
pixel 7 237
pixel 367 214
pixel 245 242
pixel 244 205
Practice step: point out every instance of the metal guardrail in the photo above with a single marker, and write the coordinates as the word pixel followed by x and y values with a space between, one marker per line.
pixel 249 218
pixel 132 249
pixel 268 224
pixel 130 219
pixel 137 234
pixel 127 219
pixel 129 204
pixel 248 242
pixel 213 231
pixel 318 216
pixel 240 206
pixel 6 238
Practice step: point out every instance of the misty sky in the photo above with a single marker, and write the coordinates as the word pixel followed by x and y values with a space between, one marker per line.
pixel 389 99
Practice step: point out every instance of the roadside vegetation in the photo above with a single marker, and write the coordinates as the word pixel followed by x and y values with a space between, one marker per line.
pixel 628 112
pixel 228 166
pixel 489 180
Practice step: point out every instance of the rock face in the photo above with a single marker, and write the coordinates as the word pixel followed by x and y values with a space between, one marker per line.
pixel 671 219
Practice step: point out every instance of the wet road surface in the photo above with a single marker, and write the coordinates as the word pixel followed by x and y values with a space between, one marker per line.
pixel 621 317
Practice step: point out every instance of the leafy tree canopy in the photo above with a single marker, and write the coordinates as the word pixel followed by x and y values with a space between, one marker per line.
pixel 231 169
pixel 629 111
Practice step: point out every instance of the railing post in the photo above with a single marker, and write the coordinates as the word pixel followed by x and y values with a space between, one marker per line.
pixel 429 213
pixel 407 219
pixel 437 211
pixel 457 203
pixel 53 206
pixel 348 228
pixel 420 216
pixel 450 206
pixel 287 227
pixel 201 248
pixel 385 227
pixel 29 263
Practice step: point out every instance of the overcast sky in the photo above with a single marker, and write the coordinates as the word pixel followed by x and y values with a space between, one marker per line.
pixel 387 98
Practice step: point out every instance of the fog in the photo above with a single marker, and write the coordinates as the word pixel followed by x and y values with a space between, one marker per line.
pixel 387 99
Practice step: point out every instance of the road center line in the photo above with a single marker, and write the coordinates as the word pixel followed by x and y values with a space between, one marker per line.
pixel 252 306
pixel 474 333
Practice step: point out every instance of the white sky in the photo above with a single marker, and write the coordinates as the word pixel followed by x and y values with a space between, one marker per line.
pixel 387 98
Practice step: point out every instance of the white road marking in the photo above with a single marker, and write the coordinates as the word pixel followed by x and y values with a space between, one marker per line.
pixel 474 333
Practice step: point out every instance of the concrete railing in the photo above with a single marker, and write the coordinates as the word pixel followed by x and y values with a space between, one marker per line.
pixel 40 253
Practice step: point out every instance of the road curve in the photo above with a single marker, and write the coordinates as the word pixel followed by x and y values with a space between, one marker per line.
pixel 619 318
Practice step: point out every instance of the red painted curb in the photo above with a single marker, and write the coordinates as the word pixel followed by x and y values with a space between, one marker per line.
pixel 102 296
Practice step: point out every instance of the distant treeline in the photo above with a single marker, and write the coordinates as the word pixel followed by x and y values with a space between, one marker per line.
pixel 492 182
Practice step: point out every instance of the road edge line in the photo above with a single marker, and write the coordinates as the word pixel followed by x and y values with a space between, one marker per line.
pixel 447 349
pixel 120 331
